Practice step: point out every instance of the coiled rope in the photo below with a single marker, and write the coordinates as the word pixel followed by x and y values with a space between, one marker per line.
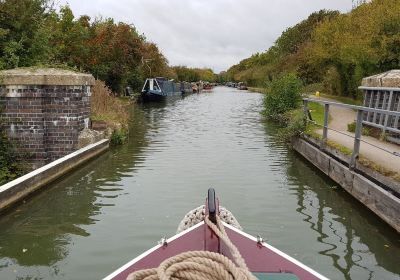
pixel 200 265
pixel 197 215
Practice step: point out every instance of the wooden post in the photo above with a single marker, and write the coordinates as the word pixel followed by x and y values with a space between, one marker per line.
pixel 389 108
pixel 325 130
pixel 356 149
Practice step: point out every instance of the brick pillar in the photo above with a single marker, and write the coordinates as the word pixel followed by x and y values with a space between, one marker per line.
pixel 23 120
pixel 44 110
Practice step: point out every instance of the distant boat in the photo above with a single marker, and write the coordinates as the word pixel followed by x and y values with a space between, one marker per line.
pixel 159 88
pixel 186 88
pixel 216 238
pixel 207 87
pixel 242 86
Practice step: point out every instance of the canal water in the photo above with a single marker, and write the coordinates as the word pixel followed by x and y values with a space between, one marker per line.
pixel 92 221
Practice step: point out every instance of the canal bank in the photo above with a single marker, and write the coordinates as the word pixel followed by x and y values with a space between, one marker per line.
pixel 366 167
pixel 18 189
pixel 121 203
pixel 47 114
pixel 382 199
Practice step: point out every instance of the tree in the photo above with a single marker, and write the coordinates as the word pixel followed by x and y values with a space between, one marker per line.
pixel 184 73
pixel 20 21
pixel 33 33
pixel 334 49
pixel 283 95
pixel 294 37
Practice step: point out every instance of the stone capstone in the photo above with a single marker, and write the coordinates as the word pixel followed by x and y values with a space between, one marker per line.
pixel 45 76
pixel 387 79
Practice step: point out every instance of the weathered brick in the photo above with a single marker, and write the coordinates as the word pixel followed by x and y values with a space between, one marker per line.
pixel 45 120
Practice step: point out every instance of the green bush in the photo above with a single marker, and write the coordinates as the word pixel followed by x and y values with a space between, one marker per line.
pixel 11 165
pixel 283 95
pixel 118 137
pixel 366 131
pixel 294 125
pixel 351 127
pixel 332 82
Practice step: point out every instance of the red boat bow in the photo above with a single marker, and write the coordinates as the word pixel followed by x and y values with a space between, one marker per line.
pixel 261 259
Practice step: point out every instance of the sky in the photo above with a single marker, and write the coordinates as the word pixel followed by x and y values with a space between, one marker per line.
pixel 207 33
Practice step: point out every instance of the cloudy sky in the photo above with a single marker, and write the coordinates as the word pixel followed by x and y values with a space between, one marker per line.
pixel 207 33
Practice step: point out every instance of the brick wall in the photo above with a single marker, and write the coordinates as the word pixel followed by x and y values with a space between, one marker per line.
pixel 45 121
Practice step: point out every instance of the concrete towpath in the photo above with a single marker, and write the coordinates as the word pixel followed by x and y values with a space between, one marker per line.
pixel 340 117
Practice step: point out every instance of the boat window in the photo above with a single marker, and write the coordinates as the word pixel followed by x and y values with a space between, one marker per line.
pixel 146 85
pixel 156 86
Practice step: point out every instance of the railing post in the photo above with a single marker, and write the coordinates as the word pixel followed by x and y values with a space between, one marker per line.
pixel 305 108
pixel 325 130
pixel 389 108
pixel 356 149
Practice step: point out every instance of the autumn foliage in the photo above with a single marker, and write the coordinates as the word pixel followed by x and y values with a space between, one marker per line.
pixel 332 49
pixel 34 32
pixel 106 107
pixel 184 73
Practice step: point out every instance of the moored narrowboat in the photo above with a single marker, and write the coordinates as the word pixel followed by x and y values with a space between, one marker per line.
pixel 186 88
pixel 160 88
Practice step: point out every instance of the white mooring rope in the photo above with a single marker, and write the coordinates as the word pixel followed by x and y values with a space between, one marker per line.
pixel 197 215
pixel 200 265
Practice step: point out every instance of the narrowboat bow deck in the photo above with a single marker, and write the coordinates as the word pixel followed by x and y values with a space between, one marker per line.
pixel 263 260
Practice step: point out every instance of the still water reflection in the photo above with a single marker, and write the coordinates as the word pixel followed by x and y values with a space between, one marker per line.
pixel 88 223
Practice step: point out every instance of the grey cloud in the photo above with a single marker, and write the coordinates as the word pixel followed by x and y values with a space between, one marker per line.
pixel 208 33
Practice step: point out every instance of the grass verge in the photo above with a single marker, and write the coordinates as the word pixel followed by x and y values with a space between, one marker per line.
pixel 317 112
pixel 257 89
pixel 313 88
pixel 343 99
pixel 114 111
pixel 310 131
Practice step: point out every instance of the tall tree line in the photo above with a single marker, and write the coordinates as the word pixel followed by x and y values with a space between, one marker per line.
pixel 37 33
pixel 332 49
pixel 187 74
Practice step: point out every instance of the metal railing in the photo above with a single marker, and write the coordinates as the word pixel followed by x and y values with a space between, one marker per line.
pixel 359 124
pixel 383 98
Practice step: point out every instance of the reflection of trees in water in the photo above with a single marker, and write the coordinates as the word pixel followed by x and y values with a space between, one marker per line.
pixel 45 223
pixel 349 230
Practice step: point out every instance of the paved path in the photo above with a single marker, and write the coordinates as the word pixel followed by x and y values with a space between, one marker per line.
pixel 340 117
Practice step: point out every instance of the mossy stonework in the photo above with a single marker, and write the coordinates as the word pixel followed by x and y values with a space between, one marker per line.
pixel 44 110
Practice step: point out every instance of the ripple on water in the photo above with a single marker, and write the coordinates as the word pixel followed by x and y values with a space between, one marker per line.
pixel 92 221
